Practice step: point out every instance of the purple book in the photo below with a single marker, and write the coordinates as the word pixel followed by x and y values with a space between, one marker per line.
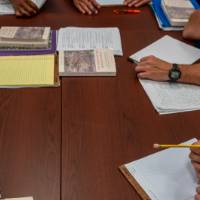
pixel 17 52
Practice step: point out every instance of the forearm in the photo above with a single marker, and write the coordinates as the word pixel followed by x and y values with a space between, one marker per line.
pixel 190 74
pixel 192 28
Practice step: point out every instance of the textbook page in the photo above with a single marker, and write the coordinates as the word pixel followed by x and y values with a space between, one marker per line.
pixel 74 38
pixel 110 2
pixel 166 175
pixel 171 97
pixel 27 70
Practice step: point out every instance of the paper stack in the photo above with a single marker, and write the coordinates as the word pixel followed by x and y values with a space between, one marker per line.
pixel 28 71
pixel 75 38
pixel 169 97
pixel 27 57
pixel 177 12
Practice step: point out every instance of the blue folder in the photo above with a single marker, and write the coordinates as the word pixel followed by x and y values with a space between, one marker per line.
pixel 157 8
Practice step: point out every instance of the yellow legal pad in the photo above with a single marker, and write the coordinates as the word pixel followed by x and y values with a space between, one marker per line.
pixel 27 70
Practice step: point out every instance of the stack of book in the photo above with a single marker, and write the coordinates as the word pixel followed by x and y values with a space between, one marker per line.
pixel 173 15
pixel 27 57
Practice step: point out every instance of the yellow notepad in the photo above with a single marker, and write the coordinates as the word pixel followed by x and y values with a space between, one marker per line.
pixel 27 70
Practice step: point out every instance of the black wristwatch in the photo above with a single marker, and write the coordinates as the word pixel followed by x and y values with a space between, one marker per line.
pixel 174 73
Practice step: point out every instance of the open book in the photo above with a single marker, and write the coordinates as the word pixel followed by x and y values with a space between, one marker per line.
pixel 166 175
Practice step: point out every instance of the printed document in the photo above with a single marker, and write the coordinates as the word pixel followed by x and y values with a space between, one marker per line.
pixel 73 38
pixel 166 175
pixel 171 97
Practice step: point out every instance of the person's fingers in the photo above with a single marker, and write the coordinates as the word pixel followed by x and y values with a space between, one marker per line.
pixel 32 5
pixel 198 189
pixel 86 9
pixel 81 9
pixel 194 157
pixel 126 2
pixel 143 75
pixel 197 197
pixel 91 7
pixel 147 58
pixel 29 9
pixel 196 166
pixel 196 150
pixel 23 12
pixel 140 3
pixel 142 68
pixel 96 4
pixel 17 13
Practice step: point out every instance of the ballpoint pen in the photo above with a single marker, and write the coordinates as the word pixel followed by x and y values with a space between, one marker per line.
pixel 126 11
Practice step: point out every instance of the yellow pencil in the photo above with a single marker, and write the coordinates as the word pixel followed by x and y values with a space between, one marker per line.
pixel 176 146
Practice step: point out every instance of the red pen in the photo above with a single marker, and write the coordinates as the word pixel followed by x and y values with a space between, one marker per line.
pixel 126 11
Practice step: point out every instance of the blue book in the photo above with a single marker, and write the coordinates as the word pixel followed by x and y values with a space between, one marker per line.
pixel 162 18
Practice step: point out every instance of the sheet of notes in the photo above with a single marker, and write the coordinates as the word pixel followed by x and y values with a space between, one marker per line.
pixel 110 2
pixel 73 38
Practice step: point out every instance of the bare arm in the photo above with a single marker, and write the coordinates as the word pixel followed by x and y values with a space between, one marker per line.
pixel 155 69
pixel 192 28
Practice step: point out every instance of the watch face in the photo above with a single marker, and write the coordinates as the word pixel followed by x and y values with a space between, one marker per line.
pixel 175 75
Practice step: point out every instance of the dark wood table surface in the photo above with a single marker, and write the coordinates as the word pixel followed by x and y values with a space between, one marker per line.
pixel 66 143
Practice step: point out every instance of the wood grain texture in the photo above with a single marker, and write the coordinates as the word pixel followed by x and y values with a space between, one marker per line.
pixel 110 121
pixel 104 122
pixel 30 135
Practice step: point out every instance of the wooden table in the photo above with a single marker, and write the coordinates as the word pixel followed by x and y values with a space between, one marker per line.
pixel 66 143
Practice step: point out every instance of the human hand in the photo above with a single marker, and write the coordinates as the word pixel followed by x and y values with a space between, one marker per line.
pixel 197 196
pixel 153 68
pixel 24 8
pixel 195 159
pixel 135 3
pixel 87 6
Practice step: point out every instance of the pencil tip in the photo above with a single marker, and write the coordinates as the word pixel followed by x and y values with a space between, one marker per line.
pixel 156 146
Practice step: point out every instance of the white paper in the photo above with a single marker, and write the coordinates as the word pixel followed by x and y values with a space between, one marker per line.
pixel 166 175
pixel 73 38
pixel 171 97
pixel 110 2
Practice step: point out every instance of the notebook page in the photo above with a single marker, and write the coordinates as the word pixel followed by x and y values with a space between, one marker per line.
pixel 27 70
pixel 166 175
pixel 73 38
